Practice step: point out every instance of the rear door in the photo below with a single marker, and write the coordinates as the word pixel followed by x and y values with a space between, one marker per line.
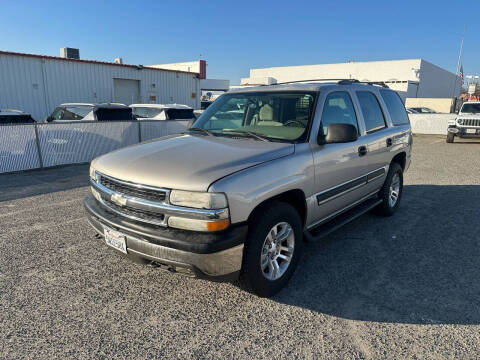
pixel 377 137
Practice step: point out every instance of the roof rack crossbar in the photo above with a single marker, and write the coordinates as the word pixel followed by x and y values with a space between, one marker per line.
pixel 338 81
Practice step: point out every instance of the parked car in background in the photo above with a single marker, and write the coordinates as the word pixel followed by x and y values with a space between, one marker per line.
pixel 260 170
pixel 90 112
pixel 423 110
pixel 13 117
pixel 162 112
pixel 411 111
pixel 467 122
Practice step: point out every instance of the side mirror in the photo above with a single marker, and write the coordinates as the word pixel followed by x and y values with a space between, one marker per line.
pixel 339 133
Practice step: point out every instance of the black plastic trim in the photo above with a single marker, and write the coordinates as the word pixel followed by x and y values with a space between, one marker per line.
pixel 191 241
pixel 340 189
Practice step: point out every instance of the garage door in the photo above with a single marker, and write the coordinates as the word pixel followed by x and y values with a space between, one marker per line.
pixel 126 91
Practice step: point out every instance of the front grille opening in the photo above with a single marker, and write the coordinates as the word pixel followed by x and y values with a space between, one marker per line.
pixel 147 194
pixel 137 213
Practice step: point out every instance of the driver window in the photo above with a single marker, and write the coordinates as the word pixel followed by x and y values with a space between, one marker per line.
pixel 338 109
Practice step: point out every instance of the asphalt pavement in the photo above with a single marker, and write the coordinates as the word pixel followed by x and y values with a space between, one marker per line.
pixel 401 287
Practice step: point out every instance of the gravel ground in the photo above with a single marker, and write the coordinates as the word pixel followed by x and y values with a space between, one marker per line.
pixel 402 287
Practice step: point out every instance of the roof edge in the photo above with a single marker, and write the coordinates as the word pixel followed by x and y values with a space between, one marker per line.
pixel 47 57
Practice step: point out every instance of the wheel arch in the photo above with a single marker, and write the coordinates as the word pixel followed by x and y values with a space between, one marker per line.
pixel 400 159
pixel 295 198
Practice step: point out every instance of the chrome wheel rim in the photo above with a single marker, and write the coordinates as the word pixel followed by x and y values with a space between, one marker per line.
pixel 394 190
pixel 277 251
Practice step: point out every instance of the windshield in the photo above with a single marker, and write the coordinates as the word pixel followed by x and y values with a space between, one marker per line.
pixel 146 112
pixel 281 116
pixel 471 108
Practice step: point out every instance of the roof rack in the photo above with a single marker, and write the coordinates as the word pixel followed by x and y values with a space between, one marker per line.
pixel 338 81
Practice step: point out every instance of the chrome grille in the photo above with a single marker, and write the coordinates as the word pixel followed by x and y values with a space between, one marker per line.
pixel 124 188
pixel 137 214
pixel 471 122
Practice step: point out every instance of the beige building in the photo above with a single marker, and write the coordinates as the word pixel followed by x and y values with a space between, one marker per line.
pixel 410 78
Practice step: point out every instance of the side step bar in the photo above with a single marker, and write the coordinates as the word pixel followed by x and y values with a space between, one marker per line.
pixel 340 220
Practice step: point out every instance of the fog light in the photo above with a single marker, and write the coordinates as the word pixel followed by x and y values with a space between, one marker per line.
pixel 198 225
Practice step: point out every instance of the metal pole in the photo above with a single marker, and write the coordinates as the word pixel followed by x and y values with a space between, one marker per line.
pixel 459 59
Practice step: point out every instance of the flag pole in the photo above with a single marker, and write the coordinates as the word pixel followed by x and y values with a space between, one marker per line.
pixel 459 59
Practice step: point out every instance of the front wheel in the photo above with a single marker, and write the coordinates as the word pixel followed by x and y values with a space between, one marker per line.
pixel 391 192
pixel 272 250
pixel 450 137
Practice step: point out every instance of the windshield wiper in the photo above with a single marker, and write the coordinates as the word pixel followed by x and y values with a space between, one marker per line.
pixel 250 133
pixel 205 131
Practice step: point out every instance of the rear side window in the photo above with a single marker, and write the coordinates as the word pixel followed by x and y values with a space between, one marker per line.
pixel 395 107
pixel 16 119
pixel 178 114
pixel 338 109
pixel 105 114
pixel 371 110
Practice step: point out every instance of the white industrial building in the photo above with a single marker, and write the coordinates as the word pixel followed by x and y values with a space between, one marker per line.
pixel 36 84
pixel 200 67
pixel 415 78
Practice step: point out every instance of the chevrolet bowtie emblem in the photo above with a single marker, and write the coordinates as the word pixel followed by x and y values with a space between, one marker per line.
pixel 119 199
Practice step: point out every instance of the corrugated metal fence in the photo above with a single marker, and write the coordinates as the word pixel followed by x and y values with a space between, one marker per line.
pixel 24 147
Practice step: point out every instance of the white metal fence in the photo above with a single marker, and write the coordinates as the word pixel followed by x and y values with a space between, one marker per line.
pixel 24 147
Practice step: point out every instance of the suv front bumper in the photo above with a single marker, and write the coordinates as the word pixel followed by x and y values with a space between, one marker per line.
pixel 464 131
pixel 216 256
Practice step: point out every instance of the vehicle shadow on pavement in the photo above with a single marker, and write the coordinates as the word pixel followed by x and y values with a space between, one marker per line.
pixel 421 266
pixel 42 181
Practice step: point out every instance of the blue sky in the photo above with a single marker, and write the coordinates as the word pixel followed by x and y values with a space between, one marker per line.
pixel 234 36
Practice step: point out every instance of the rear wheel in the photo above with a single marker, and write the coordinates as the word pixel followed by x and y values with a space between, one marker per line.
pixel 272 250
pixel 450 137
pixel 391 192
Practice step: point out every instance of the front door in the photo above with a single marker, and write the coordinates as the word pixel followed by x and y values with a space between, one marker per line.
pixel 339 170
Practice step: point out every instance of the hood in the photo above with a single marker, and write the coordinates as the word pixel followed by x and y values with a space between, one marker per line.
pixel 187 162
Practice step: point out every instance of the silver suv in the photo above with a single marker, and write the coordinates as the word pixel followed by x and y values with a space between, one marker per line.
pixel 467 123
pixel 260 171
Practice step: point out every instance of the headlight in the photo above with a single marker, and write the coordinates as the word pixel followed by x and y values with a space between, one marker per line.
pixel 460 121
pixel 198 200
pixel 93 176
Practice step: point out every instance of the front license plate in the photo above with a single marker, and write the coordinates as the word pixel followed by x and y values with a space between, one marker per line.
pixel 115 239
pixel 471 131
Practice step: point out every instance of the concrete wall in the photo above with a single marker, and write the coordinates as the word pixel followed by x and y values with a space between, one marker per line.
pixel 214 84
pixel 433 124
pixel 37 85
pixel 439 105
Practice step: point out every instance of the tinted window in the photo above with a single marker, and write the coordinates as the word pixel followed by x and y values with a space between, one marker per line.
pixel 105 114
pixel 338 109
pixel 372 113
pixel 16 119
pixel 178 114
pixel 395 107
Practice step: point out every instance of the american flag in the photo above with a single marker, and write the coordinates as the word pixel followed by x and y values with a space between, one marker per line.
pixel 461 73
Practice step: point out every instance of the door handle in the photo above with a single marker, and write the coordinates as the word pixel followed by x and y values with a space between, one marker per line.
pixel 389 142
pixel 362 150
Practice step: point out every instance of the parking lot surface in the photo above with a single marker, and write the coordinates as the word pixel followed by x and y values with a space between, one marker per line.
pixel 401 287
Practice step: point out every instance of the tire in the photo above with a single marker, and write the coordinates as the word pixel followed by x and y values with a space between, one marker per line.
pixel 253 276
pixel 450 137
pixel 388 207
